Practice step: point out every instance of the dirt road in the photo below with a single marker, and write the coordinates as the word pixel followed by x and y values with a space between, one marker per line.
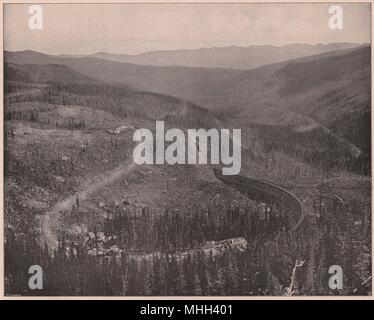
pixel 49 222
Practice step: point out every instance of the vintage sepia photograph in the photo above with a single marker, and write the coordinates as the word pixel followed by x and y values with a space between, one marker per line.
pixel 187 149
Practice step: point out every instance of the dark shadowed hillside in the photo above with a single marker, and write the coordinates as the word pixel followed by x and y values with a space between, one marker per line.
pixel 301 76
pixel 45 73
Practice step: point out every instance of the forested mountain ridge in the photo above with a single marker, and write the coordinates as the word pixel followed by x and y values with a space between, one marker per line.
pixel 44 74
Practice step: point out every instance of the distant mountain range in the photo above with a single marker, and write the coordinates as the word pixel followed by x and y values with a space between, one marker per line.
pixel 223 57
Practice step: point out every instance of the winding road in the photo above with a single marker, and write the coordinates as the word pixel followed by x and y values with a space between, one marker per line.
pixel 49 222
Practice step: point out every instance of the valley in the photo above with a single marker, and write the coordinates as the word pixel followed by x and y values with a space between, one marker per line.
pixel 75 198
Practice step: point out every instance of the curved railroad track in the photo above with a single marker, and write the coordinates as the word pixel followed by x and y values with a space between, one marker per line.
pixel 268 193
pixel 257 190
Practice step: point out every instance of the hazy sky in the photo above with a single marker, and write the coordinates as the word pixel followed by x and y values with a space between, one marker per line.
pixel 135 28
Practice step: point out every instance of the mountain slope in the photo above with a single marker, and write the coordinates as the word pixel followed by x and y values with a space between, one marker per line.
pixel 300 84
pixel 63 85
pixel 44 73
pixel 177 81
